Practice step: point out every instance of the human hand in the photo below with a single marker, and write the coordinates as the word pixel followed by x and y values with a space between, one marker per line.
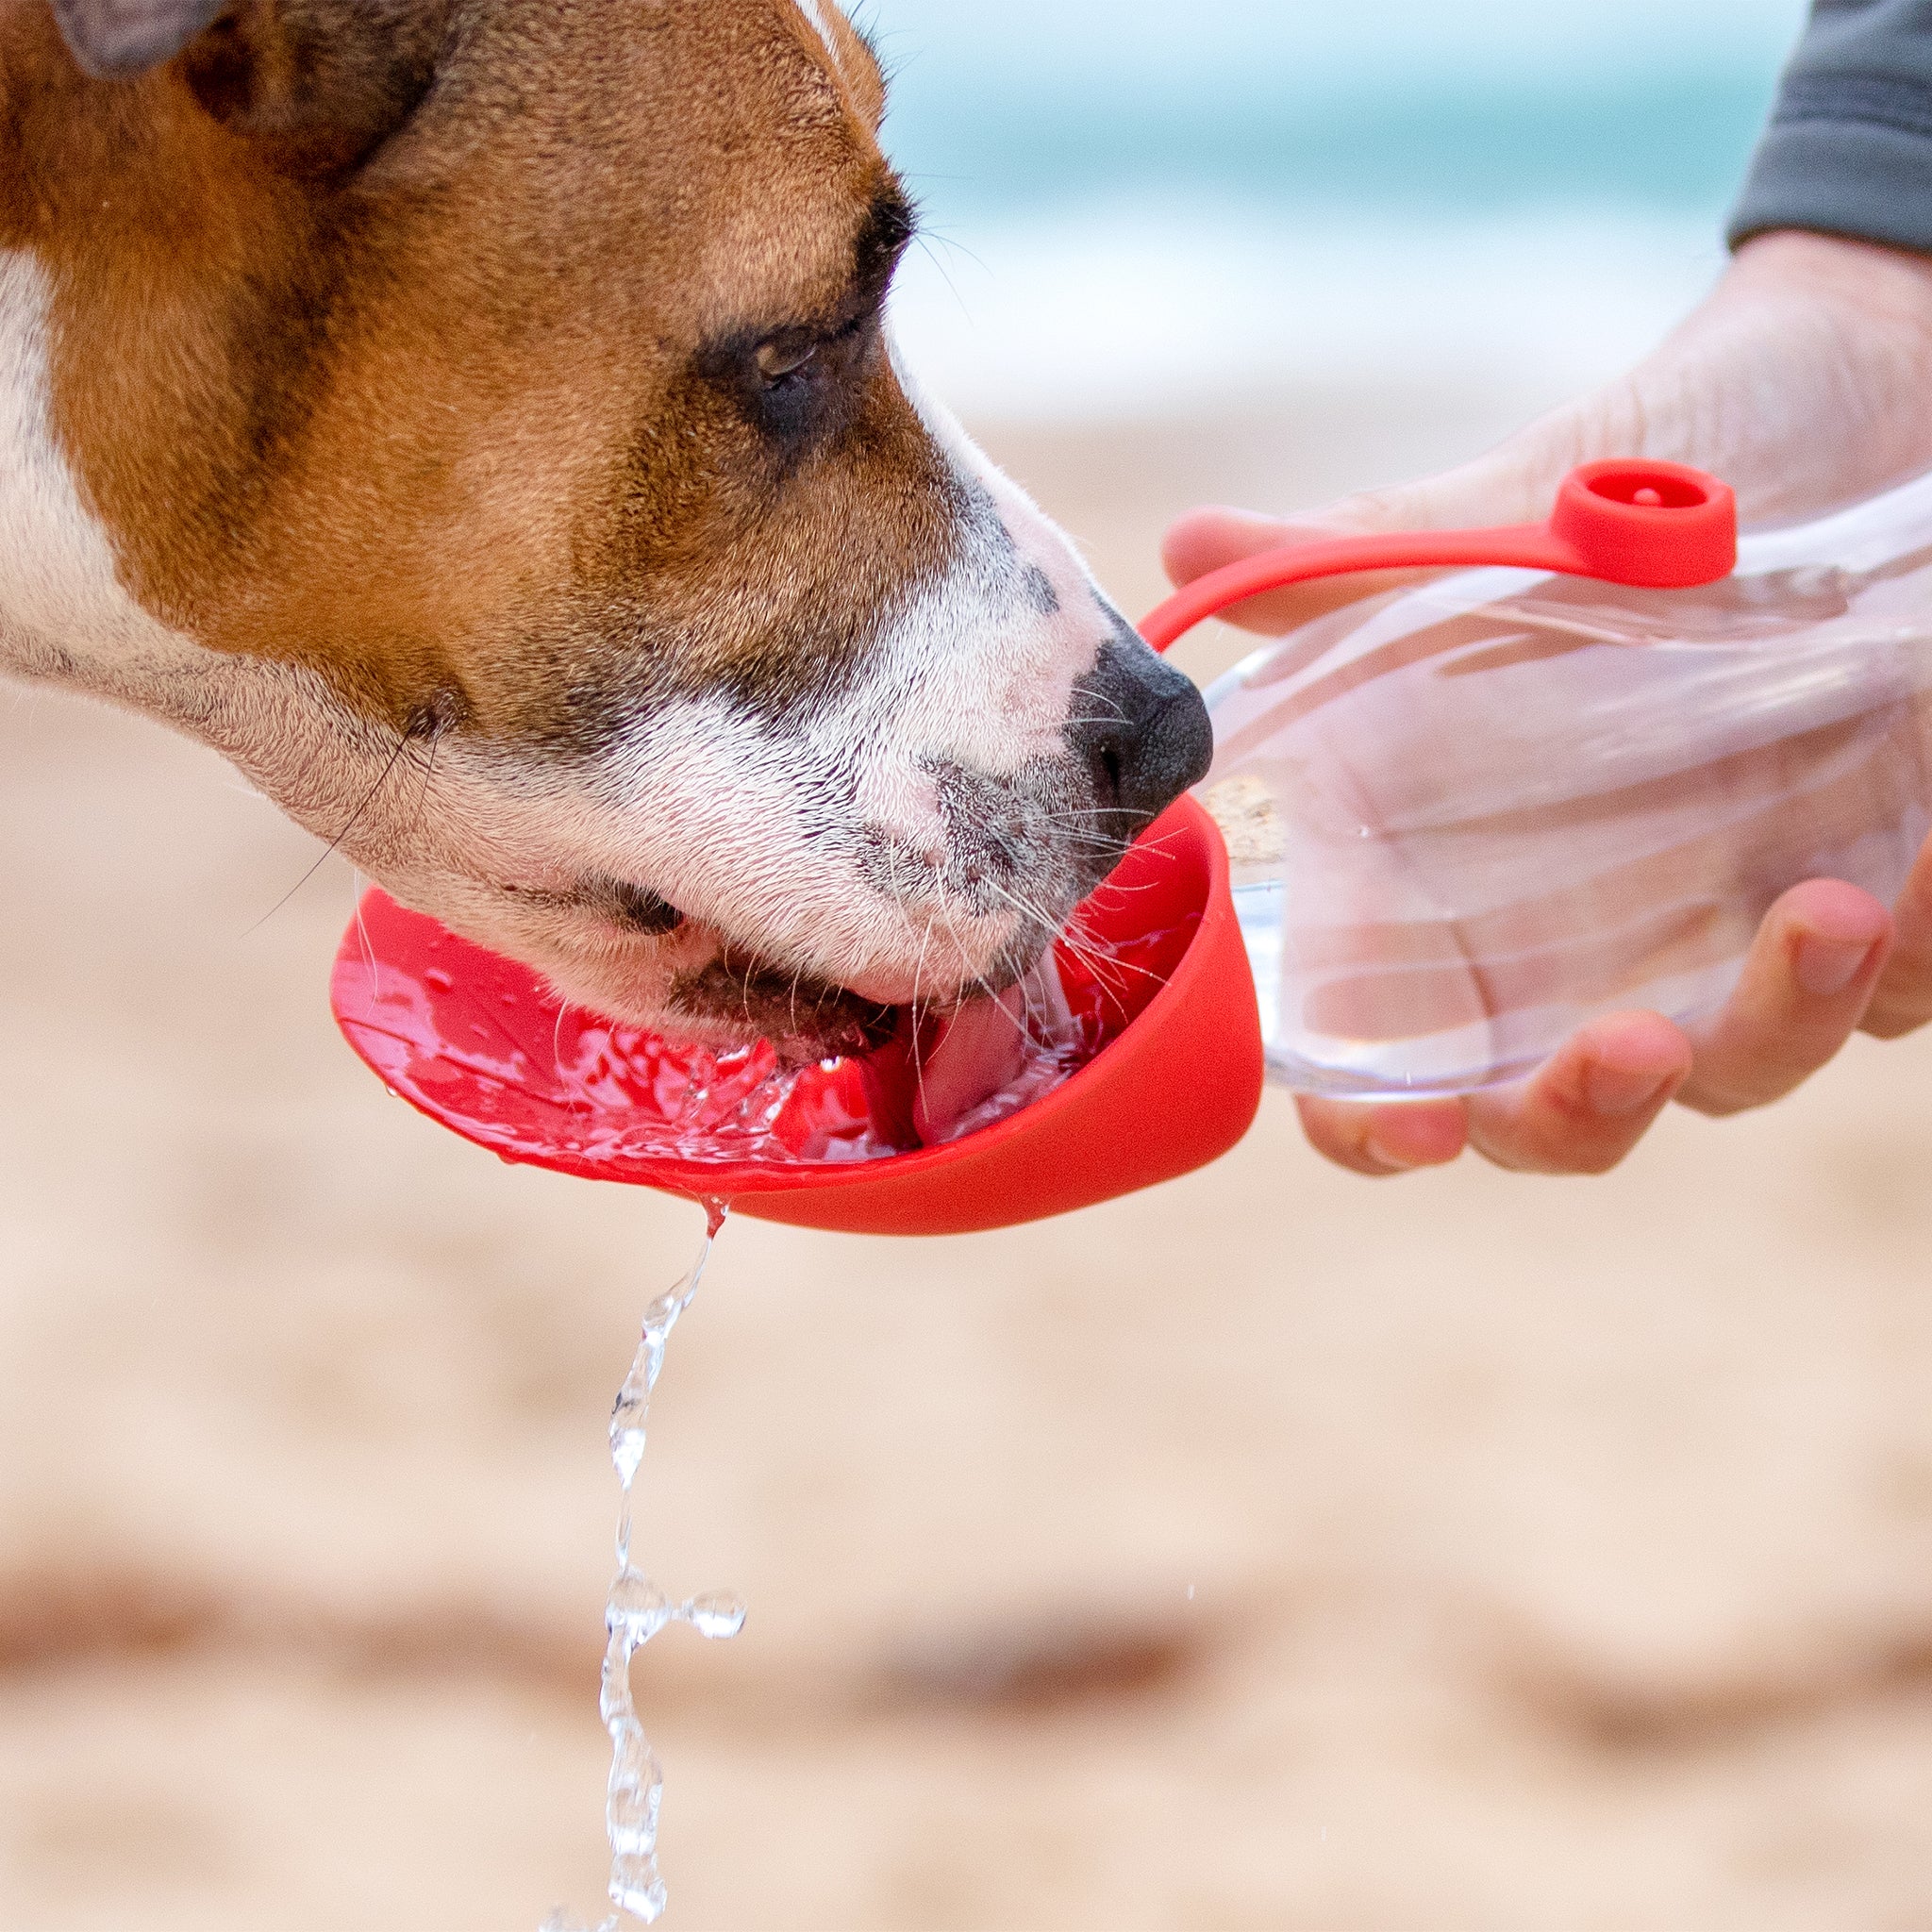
pixel 1805 381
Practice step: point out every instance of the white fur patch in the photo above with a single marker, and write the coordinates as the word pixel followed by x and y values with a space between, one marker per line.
pixel 814 12
pixel 66 618
pixel 59 598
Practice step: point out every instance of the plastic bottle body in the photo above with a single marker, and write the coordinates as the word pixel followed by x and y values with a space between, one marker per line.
pixel 1468 817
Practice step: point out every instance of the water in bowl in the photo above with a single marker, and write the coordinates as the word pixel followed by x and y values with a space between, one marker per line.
pixel 944 1075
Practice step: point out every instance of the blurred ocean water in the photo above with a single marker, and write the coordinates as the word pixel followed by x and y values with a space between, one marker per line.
pixel 1141 207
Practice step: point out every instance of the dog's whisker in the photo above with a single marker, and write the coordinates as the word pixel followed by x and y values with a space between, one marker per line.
pixel 575 1077
pixel 429 776
pixel 1098 960
pixel 357 886
pixel 334 844
pixel 919 1058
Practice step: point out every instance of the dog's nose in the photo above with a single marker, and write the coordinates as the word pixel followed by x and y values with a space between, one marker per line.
pixel 1141 728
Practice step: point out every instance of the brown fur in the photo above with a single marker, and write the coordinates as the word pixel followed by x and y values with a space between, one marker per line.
pixel 409 342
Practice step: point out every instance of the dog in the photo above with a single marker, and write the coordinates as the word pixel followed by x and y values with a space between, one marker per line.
pixel 479 421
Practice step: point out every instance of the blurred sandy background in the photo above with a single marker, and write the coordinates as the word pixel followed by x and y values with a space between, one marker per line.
pixel 1277 1550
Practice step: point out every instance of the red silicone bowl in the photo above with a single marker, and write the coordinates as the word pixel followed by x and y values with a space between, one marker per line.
pixel 475 1041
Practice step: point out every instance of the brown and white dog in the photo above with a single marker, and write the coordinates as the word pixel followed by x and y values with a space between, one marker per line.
pixel 476 419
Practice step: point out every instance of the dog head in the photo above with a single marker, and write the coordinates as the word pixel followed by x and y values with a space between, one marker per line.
pixel 487 417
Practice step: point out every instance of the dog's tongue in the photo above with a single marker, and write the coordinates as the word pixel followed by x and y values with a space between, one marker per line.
pixel 993 1056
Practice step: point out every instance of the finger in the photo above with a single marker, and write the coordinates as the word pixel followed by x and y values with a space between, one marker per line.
pixel 1384 1140
pixel 1806 983
pixel 1903 998
pixel 1209 540
pixel 1589 1103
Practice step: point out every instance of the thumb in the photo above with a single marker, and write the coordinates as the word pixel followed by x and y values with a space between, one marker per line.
pixel 1514 484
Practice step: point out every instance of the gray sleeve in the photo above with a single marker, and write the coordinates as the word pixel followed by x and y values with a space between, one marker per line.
pixel 1849 148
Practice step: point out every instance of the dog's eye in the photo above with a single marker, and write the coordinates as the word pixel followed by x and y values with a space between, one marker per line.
pixel 784 355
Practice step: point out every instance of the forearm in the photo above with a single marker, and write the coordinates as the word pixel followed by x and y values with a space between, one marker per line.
pixel 1849 148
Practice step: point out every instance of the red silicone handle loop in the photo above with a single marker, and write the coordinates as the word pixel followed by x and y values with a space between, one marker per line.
pixel 1652 525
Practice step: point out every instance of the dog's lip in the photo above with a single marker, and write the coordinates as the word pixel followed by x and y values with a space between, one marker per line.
pixel 708 945
pixel 739 986
pixel 698 938
pixel 748 992
pixel 609 902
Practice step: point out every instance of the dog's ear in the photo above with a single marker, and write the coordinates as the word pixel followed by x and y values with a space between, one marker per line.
pixel 114 40
pixel 318 83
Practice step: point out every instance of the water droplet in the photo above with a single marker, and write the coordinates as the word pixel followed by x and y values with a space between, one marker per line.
pixel 637 1607
pixel 631 1816
pixel 441 978
pixel 717 1617
pixel 627 1442
pixel 636 1889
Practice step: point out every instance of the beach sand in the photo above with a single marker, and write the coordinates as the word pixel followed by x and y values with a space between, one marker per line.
pixel 1273 1550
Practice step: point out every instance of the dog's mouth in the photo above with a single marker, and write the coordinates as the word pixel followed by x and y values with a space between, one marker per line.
pixel 806 1019
pixel 643 959
pixel 739 992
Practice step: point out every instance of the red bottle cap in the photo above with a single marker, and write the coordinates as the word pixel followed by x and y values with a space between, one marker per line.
pixel 1659 525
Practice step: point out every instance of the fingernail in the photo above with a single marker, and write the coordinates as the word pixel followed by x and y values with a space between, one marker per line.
pixel 1622 1089
pixel 1826 966
pixel 1399 1163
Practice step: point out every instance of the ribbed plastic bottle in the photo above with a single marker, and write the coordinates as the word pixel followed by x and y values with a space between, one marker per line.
pixel 1465 818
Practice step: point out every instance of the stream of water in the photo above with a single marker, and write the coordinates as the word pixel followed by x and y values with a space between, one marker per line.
pixel 634 1613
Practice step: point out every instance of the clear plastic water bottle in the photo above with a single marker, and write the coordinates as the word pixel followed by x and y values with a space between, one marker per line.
pixel 1467 817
